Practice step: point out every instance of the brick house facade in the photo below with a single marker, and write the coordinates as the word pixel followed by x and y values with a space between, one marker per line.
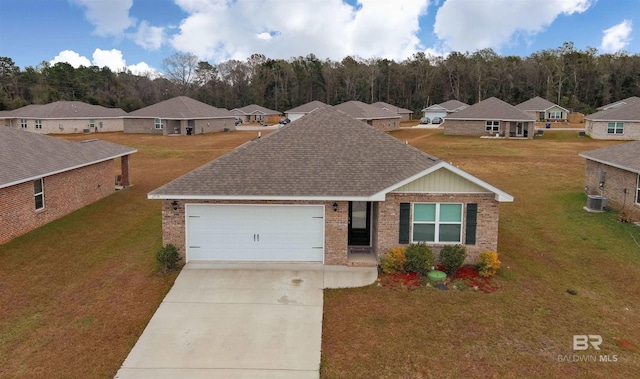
pixel 597 129
pixel 177 127
pixel 620 187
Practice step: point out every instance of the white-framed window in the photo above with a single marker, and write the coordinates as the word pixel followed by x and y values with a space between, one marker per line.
pixel 38 193
pixel 159 124
pixel 23 123
pixel 38 124
pixel 554 115
pixel 492 126
pixel 92 123
pixel 615 128
pixel 638 191
pixel 437 222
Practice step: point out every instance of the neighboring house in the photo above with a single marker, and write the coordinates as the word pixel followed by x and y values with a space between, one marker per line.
pixel 442 110
pixel 256 113
pixel 377 117
pixel 319 189
pixel 180 115
pixel 405 114
pixel 619 122
pixel 543 110
pixel 614 173
pixel 62 117
pixel 628 100
pixel 304 109
pixel 43 178
pixel 491 117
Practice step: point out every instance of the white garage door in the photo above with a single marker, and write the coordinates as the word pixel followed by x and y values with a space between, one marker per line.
pixel 255 232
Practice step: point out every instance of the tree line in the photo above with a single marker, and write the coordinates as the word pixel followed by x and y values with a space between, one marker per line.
pixel 579 80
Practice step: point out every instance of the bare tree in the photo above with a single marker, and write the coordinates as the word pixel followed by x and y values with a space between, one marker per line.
pixel 181 68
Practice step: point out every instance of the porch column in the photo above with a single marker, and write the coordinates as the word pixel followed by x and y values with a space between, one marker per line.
pixel 124 168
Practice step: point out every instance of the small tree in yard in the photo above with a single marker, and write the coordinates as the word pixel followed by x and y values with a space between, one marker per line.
pixel 168 258
pixel 452 257
pixel 419 258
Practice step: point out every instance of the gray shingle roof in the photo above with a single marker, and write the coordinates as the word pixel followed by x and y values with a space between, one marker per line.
pixel 449 106
pixel 363 111
pixel 308 107
pixel 628 100
pixel 624 112
pixel 491 109
pixel 391 108
pixel 180 108
pixel 255 109
pixel 537 104
pixel 625 156
pixel 64 110
pixel 26 156
pixel 326 154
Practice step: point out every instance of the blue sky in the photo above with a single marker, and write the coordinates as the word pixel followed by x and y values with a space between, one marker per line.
pixel 139 34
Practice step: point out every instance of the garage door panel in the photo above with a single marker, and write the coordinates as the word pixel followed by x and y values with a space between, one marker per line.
pixel 255 233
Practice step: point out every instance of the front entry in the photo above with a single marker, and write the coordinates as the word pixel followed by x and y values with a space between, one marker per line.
pixel 359 223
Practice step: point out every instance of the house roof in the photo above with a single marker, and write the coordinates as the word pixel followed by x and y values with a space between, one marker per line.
pixel 391 108
pixel 255 109
pixel 491 109
pixel 623 112
pixel 449 106
pixel 538 104
pixel 363 111
pixel 326 155
pixel 308 107
pixel 64 110
pixel 27 156
pixel 180 108
pixel 628 100
pixel 625 156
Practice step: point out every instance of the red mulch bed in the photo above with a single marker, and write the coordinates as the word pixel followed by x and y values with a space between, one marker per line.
pixel 408 280
pixel 473 277
pixel 411 280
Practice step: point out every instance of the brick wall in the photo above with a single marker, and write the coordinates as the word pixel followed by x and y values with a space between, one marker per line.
pixel 63 194
pixel 142 125
pixel 385 123
pixel 616 182
pixel 598 130
pixel 487 221
pixel 468 128
pixel 69 126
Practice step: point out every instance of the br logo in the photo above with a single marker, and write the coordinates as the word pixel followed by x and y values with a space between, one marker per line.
pixel 582 342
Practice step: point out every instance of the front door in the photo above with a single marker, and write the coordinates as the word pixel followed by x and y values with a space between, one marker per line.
pixel 519 130
pixel 359 223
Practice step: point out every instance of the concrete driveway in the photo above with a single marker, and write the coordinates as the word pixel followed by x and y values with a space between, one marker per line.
pixel 239 321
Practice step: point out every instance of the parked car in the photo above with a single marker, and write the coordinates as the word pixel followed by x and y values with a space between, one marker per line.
pixel 284 121
pixel 437 120
pixel 238 121
pixel 425 120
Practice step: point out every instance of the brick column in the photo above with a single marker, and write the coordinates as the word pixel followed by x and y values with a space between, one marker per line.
pixel 124 167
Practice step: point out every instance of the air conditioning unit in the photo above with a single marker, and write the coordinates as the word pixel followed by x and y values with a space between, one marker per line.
pixel 596 203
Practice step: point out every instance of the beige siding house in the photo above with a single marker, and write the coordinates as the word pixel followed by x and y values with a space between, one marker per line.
pixel 491 117
pixel 617 121
pixel 64 117
pixel 373 116
pixel 405 114
pixel 43 178
pixel 326 188
pixel 614 173
pixel 442 110
pixel 543 110
pixel 180 115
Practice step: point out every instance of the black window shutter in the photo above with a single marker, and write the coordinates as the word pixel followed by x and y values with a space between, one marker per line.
pixel 405 222
pixel 472 221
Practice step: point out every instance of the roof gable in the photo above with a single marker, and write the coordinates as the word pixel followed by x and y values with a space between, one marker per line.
pixel 538 104
pixel 363 111
pixel 491 109
pixel 623 112
pixel 26 156
pixel 391 108
pixel 625 156
pixel 628 100
pixel 180 108
pixel 308 107
pixel 255 109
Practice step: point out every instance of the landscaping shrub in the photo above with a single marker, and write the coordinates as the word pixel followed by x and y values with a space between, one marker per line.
pixel 488 263
pixel 452 257
pixel 419 258
pixel 394 261
pixel 168 258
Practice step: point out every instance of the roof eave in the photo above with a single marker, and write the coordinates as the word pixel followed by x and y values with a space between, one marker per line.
pixel 625 168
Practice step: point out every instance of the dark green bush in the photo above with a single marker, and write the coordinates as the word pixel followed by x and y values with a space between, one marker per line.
pixel 168 258
pixel 452 258
pixel 419 258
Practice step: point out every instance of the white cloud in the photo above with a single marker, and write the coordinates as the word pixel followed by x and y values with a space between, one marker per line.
pixel 468 25
pixel 109 17
pixel 617 37
pixel 220 30
pixel 101 58
pixel 149 37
